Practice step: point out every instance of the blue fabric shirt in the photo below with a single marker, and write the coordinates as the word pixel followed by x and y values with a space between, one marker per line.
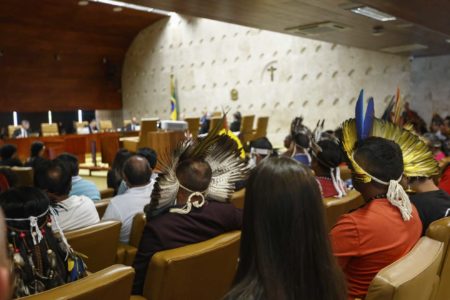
pixel 83 187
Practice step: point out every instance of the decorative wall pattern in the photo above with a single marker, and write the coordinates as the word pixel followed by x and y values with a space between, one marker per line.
pixel 430 86
pixel 278 75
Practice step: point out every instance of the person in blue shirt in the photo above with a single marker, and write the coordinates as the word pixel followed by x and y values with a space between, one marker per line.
pixel 80 186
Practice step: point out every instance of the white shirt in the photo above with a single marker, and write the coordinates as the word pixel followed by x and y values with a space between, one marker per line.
pixel 124 207
pixel 76 212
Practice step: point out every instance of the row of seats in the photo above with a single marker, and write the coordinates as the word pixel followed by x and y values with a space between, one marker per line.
pixel 177 273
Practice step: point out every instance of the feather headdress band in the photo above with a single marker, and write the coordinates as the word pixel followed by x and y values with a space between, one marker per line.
pixel 417 158
pixel 222 154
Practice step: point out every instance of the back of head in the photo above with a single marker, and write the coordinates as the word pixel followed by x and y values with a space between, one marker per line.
pixel 149 154
pixel 53 177
pixel 380 157
pixel 194 174
pixel 331 154
pixel 7 151
pixel 137 171
pixel 285 252
pixel 25 245
pixel 71 163
pixel 261 143
pixel 121 156
pixel 36 148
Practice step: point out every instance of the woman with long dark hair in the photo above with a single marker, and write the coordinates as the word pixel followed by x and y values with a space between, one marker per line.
pixel 285 251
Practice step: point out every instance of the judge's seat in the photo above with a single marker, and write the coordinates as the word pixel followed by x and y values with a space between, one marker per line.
pixel 105 125
pixel 11 129
pixel 440 230
pixel 201 271
pixel 246 133
pixel 412 277
pixel 48 129
pixel 134 143
pixel 261 128
pixel 111 283
pixel 193 126
pixel 98 242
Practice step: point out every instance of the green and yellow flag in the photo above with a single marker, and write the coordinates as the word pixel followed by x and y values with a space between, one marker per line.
pixel 174 111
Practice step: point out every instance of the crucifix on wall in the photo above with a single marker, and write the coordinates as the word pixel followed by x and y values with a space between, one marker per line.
pixel 272 69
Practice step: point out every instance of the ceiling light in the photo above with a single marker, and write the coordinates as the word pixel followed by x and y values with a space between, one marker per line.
pixel 373 13
pixel 448 41
pixel 405 48
pixel 133 6
pixel 117 9
pixel 83 2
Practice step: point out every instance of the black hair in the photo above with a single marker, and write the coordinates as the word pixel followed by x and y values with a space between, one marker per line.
pixel 194 174
pixel 71 162
pixel 23 202
pixel 137 171
pixel 301 140
pixel 53 177
pixel 261 143
pixel 380 158
pixel 115 175
pixel 285 251
pixel 7 151
pixel 149 154
pixel 331 155
pixel 35 148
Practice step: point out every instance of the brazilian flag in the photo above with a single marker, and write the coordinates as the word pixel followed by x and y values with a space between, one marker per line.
pixel 174 109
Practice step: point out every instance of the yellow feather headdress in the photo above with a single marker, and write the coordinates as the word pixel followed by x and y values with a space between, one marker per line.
pixel 418 160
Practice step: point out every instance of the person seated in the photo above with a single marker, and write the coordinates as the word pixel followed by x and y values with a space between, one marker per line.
pixel 40 259
pixel 387 227
pixel 189 203
pixel 73 212
pixel 92 126
pixel 23 131
pixel 133 125
pixel 137 175
pixel 304 250
pixel 205 120
pixel 6 284
pixel 444 181
pixel 235 125
pixel 325 164
pixel 301 141
pixel 152 158
pixel 114 176
pixel 287 141
pixel 37 151
pixel 8 179
pixel 431 202
pixel 80 186
pixel 260 149
pixel 8 156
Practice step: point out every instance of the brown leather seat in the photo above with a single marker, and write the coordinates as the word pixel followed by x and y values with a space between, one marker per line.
pixel 127 252
pixel 193 126
pixel 201 271
pixel 48 129
pixel 440 230
pixel 24 175
pixel 246 132
pixel 261 128
pixel 113 282
pixel 413 277
pixel 98 242
pixel 134 143
pixel 101 206
pixel 335 207
pixel 238 198
pixel 106 193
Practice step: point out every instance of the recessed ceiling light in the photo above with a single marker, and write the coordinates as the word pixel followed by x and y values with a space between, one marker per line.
pixel 373 13
pixel 117 9
pixel 448 41
pixel 83 2
pixel 405 48
pixel 133 6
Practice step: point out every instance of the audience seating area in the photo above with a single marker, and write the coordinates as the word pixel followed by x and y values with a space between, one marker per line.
pixel 97 242
pixel 113 282
pixel 335 207
pixel 201 271
pixel 414 276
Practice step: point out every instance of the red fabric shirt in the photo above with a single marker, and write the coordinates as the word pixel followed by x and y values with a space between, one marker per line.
pixel 444 183
pixel 328 189
pixel 369 239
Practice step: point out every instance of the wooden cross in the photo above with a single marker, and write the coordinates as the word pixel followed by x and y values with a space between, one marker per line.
pixel 271 70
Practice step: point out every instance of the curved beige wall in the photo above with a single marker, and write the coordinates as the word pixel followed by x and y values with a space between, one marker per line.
pixel 209 58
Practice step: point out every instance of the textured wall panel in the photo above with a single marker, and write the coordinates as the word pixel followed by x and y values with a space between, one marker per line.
pixel 209 58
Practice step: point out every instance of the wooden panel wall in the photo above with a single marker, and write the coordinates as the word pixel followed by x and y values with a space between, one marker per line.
pixel 60 56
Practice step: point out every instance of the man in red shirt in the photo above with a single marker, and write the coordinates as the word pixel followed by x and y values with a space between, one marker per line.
pixel 386 227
